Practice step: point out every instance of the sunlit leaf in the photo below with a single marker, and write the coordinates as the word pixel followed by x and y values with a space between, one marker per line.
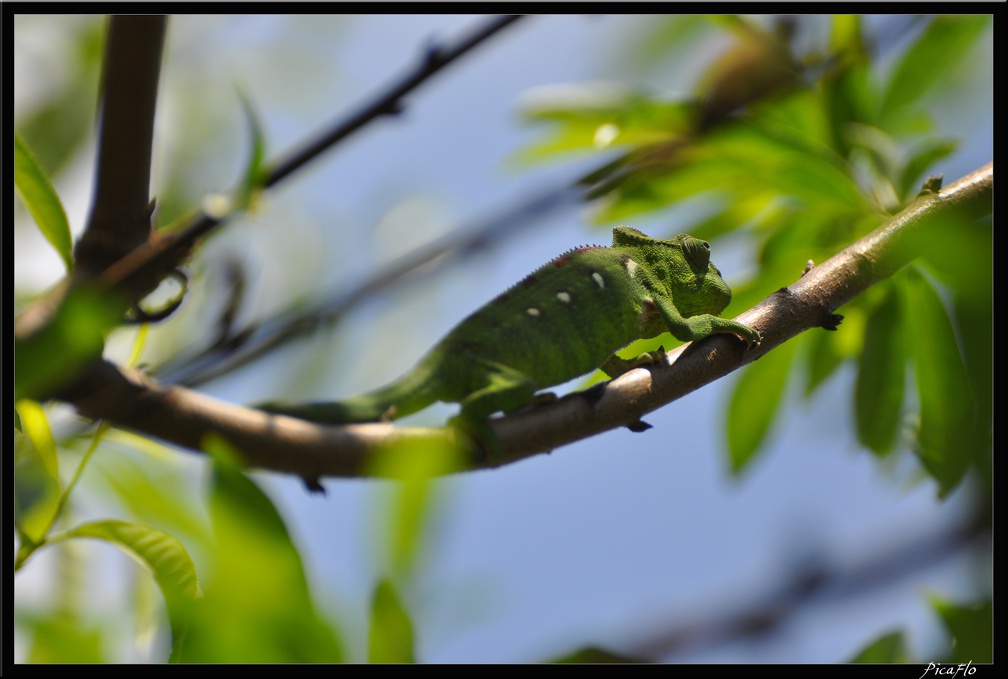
pixel 754 403
pixel 36 426
pixel 159 553
pixel 36 497
pixel 390 633
pixel 39 196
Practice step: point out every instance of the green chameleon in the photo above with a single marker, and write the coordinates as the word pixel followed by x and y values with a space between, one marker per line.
pixel 560 322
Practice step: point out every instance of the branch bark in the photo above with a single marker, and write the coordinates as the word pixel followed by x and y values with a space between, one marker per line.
pixel 285 444
pixel 120 218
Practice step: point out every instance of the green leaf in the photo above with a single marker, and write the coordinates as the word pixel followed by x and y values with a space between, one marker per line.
pixel 936 52
pixel 161 554
pixel 57 353
pixel 972 630
pixel 946 404
pixel 255 575
pixel 754 403
pixel 920 161
pixel 43 203
pixel 878 394
pixel 61 638
pixel 36 427
pixel 824 357
pixel 390 634
pixel 888 648
pixel 595 655
pixel 254 177
pixel 415 465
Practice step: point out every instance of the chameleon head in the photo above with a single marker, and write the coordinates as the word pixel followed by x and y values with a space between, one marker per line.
pixel 683 265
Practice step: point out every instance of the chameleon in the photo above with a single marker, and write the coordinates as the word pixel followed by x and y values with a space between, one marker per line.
pixel 562 321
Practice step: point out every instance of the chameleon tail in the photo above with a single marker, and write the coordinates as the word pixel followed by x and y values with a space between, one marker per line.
pixel 409 394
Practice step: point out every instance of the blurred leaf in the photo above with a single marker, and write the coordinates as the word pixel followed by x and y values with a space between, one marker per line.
pixel 598 118
pixel 594 655
pixel 935 52
pixel 972 630
pixel 946 407
pixel 36 426
pixel 390 635
pixel 159 553
pixel 254 177
pixel 57 353
pixel 138 345
pixel 415 465
pixel 62 639
pixel 878 393
pixel 888 648
pixel 255 576
pixel 921 160
pixel 42 202
pixel 666 35
pixel 60 124
pixel 148 488
pixel 36 497
pixel 754 403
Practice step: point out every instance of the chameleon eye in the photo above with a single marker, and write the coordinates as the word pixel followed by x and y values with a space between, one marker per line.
pixel 698 251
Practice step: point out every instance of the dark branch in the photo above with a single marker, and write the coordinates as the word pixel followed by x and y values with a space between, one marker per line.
pixel 120 218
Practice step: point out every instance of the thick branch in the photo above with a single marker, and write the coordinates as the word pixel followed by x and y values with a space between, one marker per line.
pixel 120 219
pixel 286 444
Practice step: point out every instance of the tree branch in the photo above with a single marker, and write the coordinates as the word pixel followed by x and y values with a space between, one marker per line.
pixel 120 218
pixel 286 444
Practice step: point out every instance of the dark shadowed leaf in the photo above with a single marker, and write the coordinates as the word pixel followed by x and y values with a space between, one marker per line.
pixel 878 394
pixel 972 630
pixel 946 404
pixel 754 403
pixel 889 648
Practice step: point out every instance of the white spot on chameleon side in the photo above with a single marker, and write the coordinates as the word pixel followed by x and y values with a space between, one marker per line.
pixel 598 279
pixel 564 297
pixel 532 311
pixel 631 267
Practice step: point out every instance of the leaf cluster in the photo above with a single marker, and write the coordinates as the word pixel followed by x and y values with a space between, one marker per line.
pixel 804 153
